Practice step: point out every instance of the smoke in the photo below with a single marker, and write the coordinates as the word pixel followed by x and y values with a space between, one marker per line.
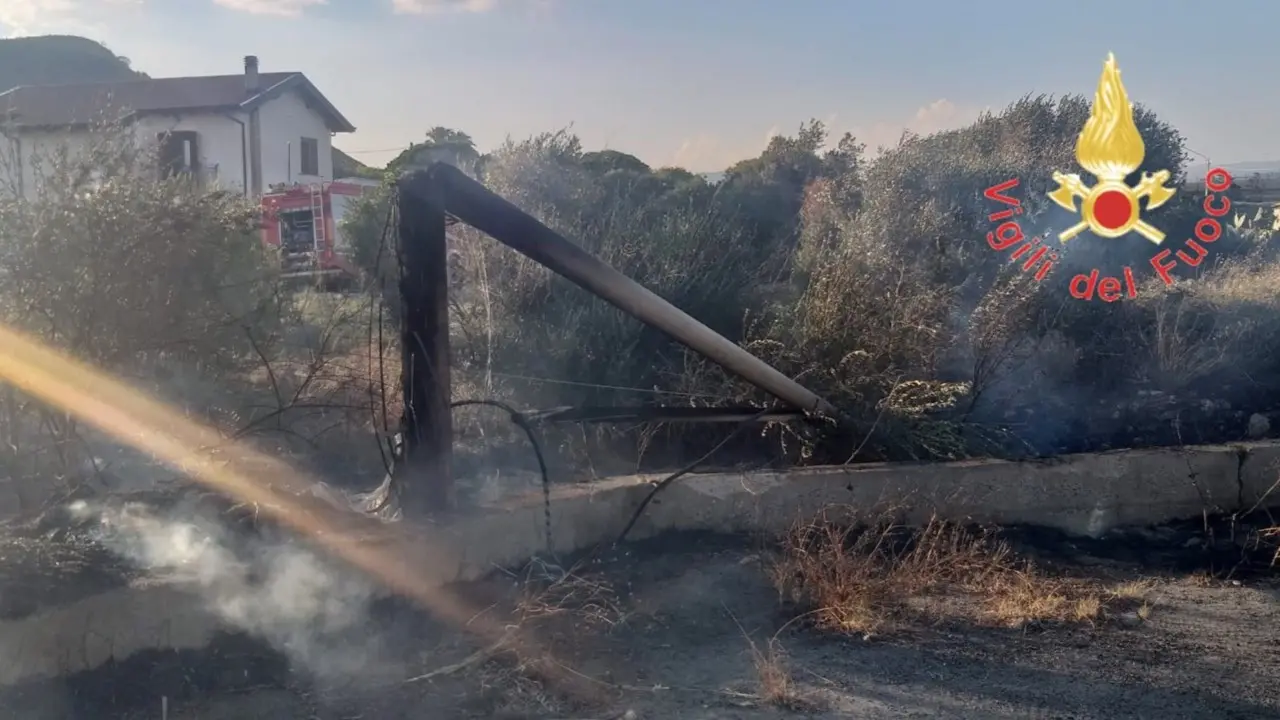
pixel 1036 389
pixel 1160 368
pixel 314 612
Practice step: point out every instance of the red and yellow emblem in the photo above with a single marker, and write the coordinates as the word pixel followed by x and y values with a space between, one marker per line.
pixel 1111 148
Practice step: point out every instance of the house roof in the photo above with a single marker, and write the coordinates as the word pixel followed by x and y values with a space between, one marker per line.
pixel 84 104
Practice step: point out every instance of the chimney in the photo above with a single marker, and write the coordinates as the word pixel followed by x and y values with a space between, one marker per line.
pixel 251 84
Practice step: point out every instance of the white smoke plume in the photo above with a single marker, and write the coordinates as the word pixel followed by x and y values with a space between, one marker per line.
pixel 315 612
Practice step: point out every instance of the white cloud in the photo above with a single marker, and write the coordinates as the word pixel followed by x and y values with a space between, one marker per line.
pixel 278 8
pixel 939 115
pixel 704 152
pixel 700 152
pixel 432 7
pixel 26 17
pixel 537 8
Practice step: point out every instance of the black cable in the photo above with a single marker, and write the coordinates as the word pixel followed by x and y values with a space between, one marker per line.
pixel 688 469
pixel 519 419
pixel 386 453
pixel 523 423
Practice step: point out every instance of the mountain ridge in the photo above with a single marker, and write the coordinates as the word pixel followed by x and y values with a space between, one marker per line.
pixel 60 60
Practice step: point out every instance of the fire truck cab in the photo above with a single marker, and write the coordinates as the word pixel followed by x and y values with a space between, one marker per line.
pixel 304 224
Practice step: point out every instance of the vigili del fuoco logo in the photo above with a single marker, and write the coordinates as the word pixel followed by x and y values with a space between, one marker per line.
pixel 1110 148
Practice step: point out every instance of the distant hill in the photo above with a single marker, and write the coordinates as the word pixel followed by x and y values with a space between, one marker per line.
pixel 59 60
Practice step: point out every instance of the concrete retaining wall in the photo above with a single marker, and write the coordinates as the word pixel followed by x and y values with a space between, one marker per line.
pixel 1084 494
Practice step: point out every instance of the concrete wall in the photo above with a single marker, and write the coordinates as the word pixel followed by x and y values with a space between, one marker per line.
pixel 1085 494
pixel 218 141
pixel 28 156
pixel 285 121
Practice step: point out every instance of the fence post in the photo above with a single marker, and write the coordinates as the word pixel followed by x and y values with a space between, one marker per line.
pixel 425 484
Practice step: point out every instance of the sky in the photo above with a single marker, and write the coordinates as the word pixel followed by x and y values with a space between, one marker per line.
pixel 704 83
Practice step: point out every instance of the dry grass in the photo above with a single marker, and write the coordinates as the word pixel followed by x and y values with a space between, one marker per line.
pixel 1133 590
pixel 548 593
pixel 1201 579
pixel 1144 611
pixel 1022 597
pixel 1272 535
pixel 775 684
pixel 514 685
pixel 870 577
pixel 552 603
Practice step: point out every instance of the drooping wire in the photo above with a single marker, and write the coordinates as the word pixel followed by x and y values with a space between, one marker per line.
pixel 377 307
pixel 523 423
pixel 388 453
pixel 616 388
pixel 516 417
pixel 666 482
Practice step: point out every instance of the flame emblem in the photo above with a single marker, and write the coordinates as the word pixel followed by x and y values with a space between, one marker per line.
pixel 1111 148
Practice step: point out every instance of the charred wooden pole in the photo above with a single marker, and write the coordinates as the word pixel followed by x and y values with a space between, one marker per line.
pixel 472 203
pixel 425 482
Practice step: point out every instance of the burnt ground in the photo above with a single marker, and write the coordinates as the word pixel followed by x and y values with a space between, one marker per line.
pixel 52 558
pixel 1210 647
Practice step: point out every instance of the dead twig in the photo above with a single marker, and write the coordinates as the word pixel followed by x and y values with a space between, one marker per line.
pixel 475 659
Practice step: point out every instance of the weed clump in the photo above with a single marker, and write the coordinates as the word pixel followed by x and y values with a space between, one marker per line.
pixel 873 576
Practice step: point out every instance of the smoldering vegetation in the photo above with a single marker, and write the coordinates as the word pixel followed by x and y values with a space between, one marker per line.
pixel 290 617
pixel 305 605
pixel 868 276
pixel 865 275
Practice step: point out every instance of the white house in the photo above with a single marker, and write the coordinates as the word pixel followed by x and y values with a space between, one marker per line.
pixel 246 132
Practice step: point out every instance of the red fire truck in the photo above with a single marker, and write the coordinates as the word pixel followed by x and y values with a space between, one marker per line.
pixel 304 223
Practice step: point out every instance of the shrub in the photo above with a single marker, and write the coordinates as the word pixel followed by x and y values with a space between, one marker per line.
pixel 116 266
pixel 866 278
pixel 140 276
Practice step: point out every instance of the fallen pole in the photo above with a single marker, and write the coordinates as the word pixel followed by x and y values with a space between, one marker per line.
pixel 475 205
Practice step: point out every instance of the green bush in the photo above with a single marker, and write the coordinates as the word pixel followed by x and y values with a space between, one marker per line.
pixel 116 266
pixel 870 280
pixel 162 282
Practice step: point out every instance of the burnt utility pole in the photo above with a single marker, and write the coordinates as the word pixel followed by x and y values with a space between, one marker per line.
pixel 430 199
pixel 425 484
pixel 475 205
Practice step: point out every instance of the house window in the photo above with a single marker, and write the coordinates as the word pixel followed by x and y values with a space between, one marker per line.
pixel 310 159
pixel 179 153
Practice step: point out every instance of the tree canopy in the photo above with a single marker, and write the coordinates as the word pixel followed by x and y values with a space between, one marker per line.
pixel 869 276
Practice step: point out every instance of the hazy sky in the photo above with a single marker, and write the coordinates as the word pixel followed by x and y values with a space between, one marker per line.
pixel 703 83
